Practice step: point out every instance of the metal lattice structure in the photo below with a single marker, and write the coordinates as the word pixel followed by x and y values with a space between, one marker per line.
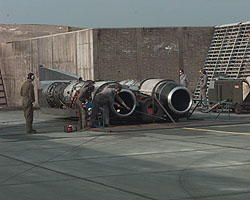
pixel 229 53
pixel 3 98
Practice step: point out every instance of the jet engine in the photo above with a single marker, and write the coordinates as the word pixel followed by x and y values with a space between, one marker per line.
pixel 160 98
pixel 57 97
pixel 150 99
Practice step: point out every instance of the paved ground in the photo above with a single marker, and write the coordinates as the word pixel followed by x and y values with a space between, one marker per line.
pixel 197 159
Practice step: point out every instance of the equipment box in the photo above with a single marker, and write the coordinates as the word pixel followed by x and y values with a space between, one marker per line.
pixel 235 91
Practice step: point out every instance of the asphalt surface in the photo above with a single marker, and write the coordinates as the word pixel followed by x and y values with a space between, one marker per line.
pixel 200 158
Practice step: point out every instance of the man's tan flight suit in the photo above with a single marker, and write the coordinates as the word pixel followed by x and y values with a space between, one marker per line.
pixel 83 95
pixel 27 92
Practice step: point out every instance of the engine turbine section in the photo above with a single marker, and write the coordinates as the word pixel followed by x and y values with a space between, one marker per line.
pixel 51 95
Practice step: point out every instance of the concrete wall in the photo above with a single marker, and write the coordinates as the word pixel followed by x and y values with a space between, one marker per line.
pixel 139 53
pixel 109 54
pixel 17 32
pixel 69 52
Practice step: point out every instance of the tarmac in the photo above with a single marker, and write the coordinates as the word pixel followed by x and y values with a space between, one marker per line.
pixel 201 158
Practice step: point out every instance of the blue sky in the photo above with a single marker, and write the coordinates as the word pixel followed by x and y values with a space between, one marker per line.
pixel 124 13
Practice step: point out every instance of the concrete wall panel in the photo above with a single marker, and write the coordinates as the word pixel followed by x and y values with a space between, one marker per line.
pixel 44 51
pixel 59 51
pixel 17 62
pixel 64 53
pixel 85 59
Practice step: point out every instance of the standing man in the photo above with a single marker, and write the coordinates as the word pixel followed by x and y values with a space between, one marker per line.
pixel 103 100
pixel 203 87
pixel 27 92
pixel 183 78
pixel 84 96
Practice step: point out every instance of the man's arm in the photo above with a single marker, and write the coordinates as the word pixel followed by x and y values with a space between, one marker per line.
pixel 21 91
pixel 32 94
pixel 122 102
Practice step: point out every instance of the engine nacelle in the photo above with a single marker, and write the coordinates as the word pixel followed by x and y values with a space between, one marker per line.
pixel 174 97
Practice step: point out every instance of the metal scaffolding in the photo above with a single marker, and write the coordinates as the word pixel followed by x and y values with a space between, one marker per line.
pixel 229 53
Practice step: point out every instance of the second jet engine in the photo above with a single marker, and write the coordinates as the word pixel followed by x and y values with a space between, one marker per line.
pixel 161 98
